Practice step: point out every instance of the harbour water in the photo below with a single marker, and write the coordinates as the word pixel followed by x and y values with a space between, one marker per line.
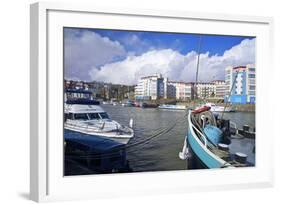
pixel 161 153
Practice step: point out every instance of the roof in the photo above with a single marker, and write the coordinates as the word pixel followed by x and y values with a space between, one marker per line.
pixel 82 101
pixel 78 91
pixel 241 66
pixel 78 108
pixel 181 82
pixel 92 143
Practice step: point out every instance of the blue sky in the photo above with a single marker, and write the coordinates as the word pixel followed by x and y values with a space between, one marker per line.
pixel 181 42
pixel 91 54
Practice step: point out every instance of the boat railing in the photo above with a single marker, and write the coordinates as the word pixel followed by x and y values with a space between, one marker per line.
pixel 95 128
pixel 196 129
pixel 201 134
pixel 86 126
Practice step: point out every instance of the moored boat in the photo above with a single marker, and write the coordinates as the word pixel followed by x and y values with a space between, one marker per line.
pixel 88 154
pixel 172 107
pixel 208 141
pixel 148 105
pixel 128 103
pixel 218 108
pixel 93 120
pixel 84 115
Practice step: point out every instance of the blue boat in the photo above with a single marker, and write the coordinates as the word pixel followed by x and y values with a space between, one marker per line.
pixel 207 143
pixel 92 154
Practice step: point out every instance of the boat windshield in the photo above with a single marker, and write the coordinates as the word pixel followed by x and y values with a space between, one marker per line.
pixel 93 116
pixel 104 115
pixel 81 116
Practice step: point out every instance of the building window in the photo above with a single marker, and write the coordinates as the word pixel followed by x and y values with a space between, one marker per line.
pixel 252 75
pixel 252 87
pixel 252 81
pixel 252 92
pixel 252 69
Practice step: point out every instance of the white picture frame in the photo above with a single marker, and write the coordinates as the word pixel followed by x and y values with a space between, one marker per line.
pixel 47 182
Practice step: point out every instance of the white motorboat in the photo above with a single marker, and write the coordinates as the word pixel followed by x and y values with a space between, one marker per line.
pixel 93 120
pixel 218 108
pixel 172 107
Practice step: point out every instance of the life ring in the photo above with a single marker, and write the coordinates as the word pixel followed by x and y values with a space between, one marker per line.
pixel 201 109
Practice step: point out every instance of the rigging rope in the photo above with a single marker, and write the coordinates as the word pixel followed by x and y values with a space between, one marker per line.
pixel 227 102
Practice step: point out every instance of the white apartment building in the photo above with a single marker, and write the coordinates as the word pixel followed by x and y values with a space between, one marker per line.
pixel 220 89
pixel 151 87
pixel 180 90
pixel 205 90
pixel 155 87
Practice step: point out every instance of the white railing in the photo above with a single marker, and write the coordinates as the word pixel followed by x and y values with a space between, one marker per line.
pixel 202 135
pixel 94 128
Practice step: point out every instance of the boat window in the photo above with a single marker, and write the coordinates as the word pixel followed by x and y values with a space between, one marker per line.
pixel 81 116
pixel 69 116
pixel 93 116
pixel 104 115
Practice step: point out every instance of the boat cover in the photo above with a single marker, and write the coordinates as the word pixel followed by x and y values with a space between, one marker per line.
pixel 213 133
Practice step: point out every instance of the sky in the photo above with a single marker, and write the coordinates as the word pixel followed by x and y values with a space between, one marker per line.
pixel 122 57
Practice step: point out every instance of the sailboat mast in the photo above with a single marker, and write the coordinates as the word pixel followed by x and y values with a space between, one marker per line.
pixel 197 67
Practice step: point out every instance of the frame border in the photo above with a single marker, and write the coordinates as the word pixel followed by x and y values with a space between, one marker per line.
pixel 39 162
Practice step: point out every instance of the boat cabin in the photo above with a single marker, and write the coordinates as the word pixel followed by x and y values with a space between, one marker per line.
pixel 80 96
pixel 85 112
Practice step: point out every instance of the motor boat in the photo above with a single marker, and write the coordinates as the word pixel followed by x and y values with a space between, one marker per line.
pixel 93 120
pixel 172 107
pixel 218 108
pixel 128 103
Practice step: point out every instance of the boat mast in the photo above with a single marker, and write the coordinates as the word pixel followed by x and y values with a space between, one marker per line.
pixel 197 67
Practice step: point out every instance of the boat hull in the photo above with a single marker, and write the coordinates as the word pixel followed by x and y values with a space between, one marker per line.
pixel 194 162
pixel 206 158
pixel 201 155
pixel 172 107
pixel 220 109
pixel 124 139
pixel 113 134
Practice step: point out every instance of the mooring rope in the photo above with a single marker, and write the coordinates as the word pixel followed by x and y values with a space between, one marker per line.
pixel 159 132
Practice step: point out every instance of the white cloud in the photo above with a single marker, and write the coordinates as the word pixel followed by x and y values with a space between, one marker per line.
pixel 85 50
pixel 175 65
pixel 135 44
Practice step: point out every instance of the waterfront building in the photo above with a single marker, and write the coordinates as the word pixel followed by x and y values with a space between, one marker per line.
pixel 180 90
pixel 242 78
pixel 205 90
pixel 219 89
pixel 151 87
